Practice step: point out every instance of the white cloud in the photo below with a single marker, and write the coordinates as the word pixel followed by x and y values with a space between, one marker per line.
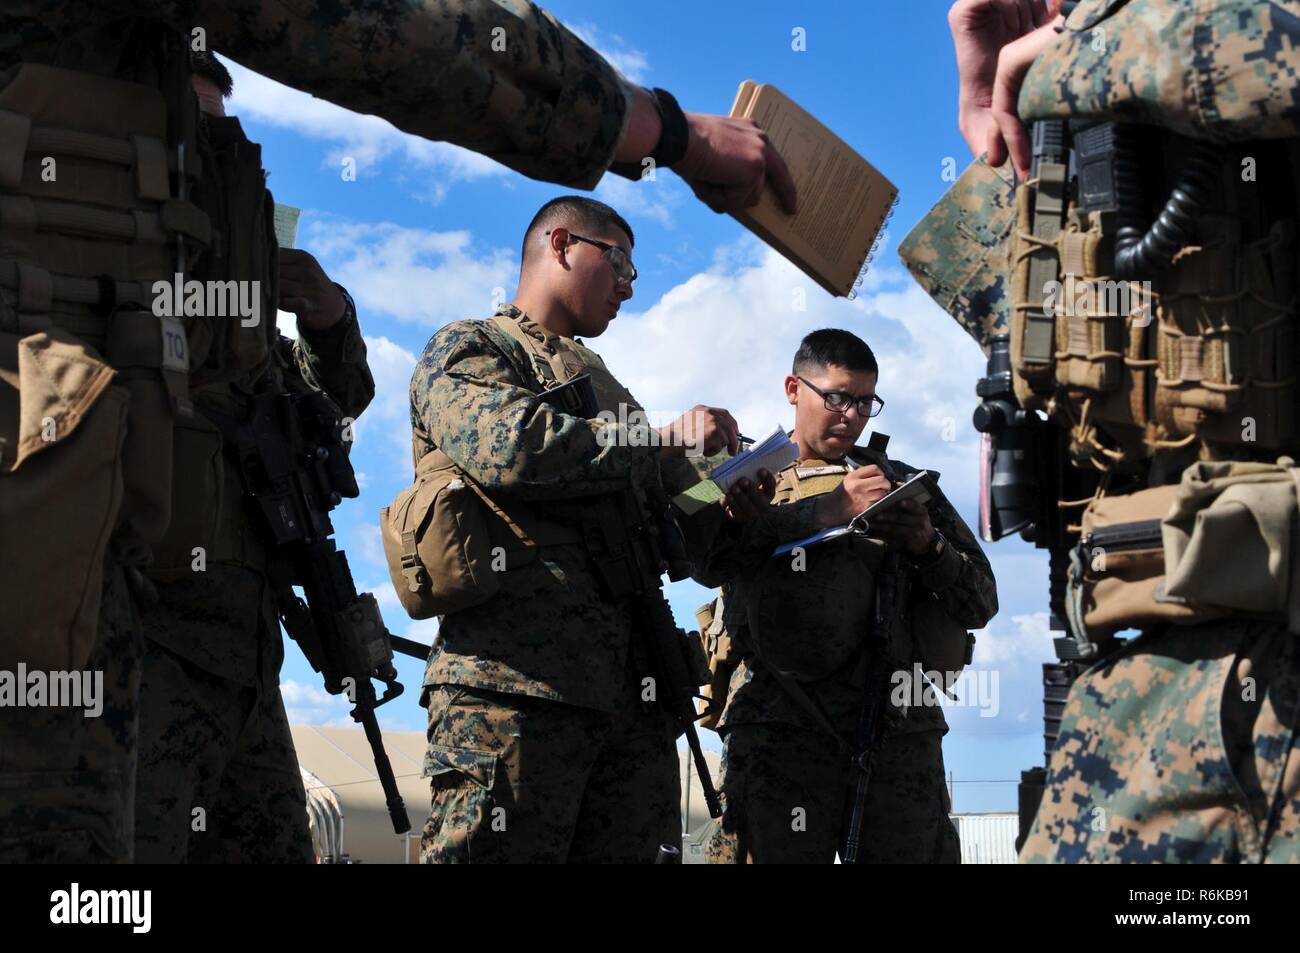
pixel 657 200
pixel 629 61
pixel 1013 640
pixel 312 705
pixel 366 139
pixel 386 424
pixel 286 322
pixel 413 275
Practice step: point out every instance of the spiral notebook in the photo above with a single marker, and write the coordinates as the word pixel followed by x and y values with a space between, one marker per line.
pixel 844 201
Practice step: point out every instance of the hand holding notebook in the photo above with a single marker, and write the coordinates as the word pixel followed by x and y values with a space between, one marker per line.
pixel 844 201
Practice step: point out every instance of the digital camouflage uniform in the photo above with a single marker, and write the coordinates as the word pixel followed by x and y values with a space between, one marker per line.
pixel 787 781
pixel 541 748
pixel 1180 746
pixel 213 732
pixel 543 104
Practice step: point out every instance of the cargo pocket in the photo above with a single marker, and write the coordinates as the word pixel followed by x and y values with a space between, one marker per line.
pixel 198 484
pixel 461 819
pixel 62 427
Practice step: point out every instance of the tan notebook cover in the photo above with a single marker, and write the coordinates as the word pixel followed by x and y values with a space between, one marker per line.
pixel 844 201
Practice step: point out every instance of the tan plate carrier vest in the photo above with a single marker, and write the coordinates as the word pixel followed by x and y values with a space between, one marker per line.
pixel 96 210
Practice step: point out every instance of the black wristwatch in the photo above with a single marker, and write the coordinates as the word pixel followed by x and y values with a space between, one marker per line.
pixel 674 136
pixel 933 553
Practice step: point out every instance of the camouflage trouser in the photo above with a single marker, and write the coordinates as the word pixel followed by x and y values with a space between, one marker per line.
pixel 517 779
pixel 1182 748
pixel 67 782
pixel 218 780
pixel 788 796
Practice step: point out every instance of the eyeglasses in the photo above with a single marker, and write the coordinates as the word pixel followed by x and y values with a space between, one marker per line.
pixel 624 270
pixel 839 401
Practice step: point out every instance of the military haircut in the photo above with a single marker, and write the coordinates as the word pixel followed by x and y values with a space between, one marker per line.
pixel 832 347
pixel 205 64
pixel 576 213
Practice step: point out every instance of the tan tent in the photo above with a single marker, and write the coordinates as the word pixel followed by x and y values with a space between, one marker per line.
pixel 346 804
pixel 340 761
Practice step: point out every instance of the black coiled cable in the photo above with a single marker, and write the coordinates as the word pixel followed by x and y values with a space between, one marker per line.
pixel 1141 251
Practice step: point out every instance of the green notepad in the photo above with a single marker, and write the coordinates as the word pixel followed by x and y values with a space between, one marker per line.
pixel 698 497
pixel 286 224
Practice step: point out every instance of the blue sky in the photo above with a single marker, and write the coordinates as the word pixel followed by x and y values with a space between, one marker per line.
pixel 427 233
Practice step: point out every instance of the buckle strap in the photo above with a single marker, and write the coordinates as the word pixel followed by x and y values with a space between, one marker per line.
pixel 37 289
pixel 412 568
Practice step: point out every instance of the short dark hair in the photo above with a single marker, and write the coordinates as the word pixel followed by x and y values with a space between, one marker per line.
pixel 577 213
pixel 204 64
pixel 834 347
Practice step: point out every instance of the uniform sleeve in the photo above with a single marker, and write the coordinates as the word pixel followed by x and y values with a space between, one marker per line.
pixel 473 404
pixel 500 77
pixel 334 361
pixel 961 578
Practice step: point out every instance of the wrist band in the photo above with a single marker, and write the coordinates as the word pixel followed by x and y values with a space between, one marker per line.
pixel 674 136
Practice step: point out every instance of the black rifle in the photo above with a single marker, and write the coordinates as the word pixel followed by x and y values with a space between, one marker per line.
pixel 893 592
pixel 294 464
pixel 638 540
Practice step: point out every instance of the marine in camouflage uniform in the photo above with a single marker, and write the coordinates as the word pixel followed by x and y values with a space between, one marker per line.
pixel 1179 745
pixel 218 778
pixel 544 745
pixel 791 717
pixel 546 105
pixel 213 730
pixel 541 748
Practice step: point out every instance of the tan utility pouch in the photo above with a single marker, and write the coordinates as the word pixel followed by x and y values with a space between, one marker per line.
pixel 62 424
pixel 722 655
pixel 942 644
pixel 448 544
pixel 1230 537
pixel 1117 580
pixel 1105 341
pixel 1227 340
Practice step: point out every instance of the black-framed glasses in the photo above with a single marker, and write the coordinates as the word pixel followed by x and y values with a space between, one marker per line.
pixel 839 401
pixel 624 270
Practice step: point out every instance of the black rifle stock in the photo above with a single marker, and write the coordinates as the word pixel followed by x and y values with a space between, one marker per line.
pixel 638 541
pixel 295 468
